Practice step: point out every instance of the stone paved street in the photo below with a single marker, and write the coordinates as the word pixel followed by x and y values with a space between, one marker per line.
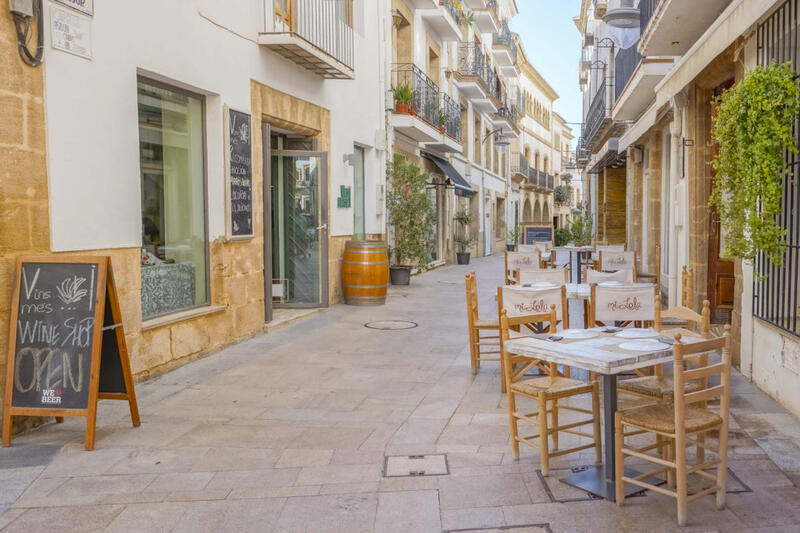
pixel 288 432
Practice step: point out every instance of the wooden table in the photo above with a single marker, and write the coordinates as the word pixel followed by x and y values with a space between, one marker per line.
pixel 603 355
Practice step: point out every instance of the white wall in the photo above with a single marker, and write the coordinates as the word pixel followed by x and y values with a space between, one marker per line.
pixel 208 47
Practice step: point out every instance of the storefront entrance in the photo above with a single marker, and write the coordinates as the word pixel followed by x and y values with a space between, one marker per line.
pixel 296 236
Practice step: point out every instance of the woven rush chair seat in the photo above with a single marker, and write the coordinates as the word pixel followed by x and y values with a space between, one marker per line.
pixel 551 387
pixel 658 387
pixel 661 417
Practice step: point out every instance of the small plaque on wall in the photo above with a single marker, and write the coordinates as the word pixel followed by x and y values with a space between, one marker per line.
pixel 239 174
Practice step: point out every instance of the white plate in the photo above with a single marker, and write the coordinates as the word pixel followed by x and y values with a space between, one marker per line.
pixel 644 346
pixel 636 333
pixel 578 333
pixel 610 283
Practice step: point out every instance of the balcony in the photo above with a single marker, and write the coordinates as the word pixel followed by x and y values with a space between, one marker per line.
pixel 506 117
pixel 475 79
pixel 504 49
pixel 597 118
pixel 315 34
pixel 423 4
pixel 420 121
pixel 446 20
pixel 449 121
pixel 671 27
pixel 635 80
pixel 487 19
pixel 519 168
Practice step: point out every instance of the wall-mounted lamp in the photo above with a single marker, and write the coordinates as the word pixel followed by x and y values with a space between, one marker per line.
pixel 397 18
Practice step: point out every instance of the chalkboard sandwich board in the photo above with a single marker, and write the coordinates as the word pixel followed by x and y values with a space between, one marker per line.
pixel 67 345
pixel 239 174
pixel 533 234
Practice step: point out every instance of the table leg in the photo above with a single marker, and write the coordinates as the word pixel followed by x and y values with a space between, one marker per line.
pixel 599 480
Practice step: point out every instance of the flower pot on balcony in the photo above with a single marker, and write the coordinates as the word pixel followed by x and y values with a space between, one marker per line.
pixel 462 258
pixel 402 109
pixel 441 130
pixel 400 274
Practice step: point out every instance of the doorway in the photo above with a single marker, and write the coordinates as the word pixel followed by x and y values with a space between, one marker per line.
pixel 359 229
pixel 295 214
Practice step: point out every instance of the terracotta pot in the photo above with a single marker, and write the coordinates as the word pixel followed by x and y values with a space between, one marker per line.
pixel 441 129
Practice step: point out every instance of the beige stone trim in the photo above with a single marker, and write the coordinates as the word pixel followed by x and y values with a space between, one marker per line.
pixel 189 314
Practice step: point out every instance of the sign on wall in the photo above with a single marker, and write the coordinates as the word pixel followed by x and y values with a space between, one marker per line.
pixel 84 6
pixel 344 196
pixel 533 234
pixel 70 32
pixel 239 174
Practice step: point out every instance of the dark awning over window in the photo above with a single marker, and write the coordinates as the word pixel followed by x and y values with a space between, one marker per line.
pixel 462 188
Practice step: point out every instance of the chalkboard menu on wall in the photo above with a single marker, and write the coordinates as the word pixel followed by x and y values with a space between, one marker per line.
pixel 54 335
pixel 240 177
pixel 67 344
pixel 534 234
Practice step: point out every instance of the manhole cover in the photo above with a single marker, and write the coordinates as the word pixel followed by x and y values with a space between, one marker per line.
pixel 416 465
pixel 390 324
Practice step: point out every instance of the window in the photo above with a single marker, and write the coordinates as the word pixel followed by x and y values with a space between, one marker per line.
pixel 174 254
pixel 776 298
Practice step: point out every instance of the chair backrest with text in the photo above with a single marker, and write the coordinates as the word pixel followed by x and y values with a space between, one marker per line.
pixel 558 276
pixel 561 258
pixel 535 247
pixel 519 303
pixel 521 260
pixel 623 303
pixel 608 261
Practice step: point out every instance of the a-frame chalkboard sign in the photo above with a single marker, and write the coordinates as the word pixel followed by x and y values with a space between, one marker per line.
pixel 66 344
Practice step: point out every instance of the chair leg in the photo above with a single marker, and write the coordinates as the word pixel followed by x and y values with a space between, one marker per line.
pixel 512 421
pixel 473 349
pixel 554 422
pixel 670 456
pixel 619 459
pixel 503 374
pixel 722 467
pixel 701 452
pixel 598 443
pixel 543 450
pixel 679 449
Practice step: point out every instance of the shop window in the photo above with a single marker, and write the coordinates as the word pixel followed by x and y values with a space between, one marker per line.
pixel 174 254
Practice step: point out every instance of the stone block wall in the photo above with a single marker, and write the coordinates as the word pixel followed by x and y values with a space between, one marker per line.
pixel 24 215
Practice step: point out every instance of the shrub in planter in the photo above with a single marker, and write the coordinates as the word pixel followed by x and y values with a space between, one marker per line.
pixel 464 242
pixel 403 96
pixel 513 238
pixel 562 236
pixel 581 231
pixel 411 214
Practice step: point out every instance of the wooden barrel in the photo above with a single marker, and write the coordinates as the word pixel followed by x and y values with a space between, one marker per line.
pixel 365 272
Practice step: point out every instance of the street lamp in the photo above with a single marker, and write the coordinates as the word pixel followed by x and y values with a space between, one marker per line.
pixel 501 141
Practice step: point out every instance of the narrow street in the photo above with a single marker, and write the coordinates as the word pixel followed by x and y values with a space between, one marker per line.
pixel 289 431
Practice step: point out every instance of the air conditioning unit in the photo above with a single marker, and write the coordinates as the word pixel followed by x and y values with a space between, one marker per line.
pixel 622 14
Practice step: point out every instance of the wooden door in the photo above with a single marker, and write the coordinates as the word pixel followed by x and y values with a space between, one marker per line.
pixel 615 205
pixel 721 279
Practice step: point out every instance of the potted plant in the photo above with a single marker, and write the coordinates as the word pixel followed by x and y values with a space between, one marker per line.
pixel 441 119
pixel 403 95
pixel 581 230
pixel 463 218
pixel 412 215
pixel 562 236
pixel 750 165
pixel 513 239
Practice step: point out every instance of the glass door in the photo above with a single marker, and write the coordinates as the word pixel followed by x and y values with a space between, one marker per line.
pixel 299 234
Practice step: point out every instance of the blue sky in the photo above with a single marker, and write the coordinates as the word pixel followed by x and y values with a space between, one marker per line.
pixel 553 46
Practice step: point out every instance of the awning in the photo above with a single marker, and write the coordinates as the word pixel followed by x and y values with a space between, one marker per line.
pixel 452 177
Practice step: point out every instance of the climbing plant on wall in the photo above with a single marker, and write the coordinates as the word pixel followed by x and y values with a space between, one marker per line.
pixel 753 128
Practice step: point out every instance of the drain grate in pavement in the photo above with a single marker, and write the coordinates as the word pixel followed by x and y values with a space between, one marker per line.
pixel 416 465
pixel 390 324
pixel 527 528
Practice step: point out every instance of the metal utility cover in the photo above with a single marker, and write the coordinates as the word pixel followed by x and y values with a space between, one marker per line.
pixel 416 465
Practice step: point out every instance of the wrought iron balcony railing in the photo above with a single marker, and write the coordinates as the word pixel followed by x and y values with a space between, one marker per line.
pixel 451 8
pixel 451 113
pixel 625 64
pixel 519 164
pixel 325 24
pixel 425 99
pixel 506 38
pixel 597 113
pixel 646 10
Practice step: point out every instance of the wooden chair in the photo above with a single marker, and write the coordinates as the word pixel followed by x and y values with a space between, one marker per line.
pixel 625 276
pixel 542 390
pixel 480 345
pixel 681 424
pixel 517 260
pixel 657 387
pixel 559 276
pixel 528 248
pixel 687 299
pixel 652 277
pixel 560 258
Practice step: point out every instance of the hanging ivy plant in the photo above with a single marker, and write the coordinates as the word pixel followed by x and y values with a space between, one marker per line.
pixel 753 128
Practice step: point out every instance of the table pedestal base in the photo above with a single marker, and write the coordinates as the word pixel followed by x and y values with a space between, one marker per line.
pixel 595 481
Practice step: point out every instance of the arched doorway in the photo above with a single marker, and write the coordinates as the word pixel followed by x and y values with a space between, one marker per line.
pixel 537 213
pixel 546 214
pixel 526 212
